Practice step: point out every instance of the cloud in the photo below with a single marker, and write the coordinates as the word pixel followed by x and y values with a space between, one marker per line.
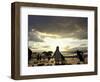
pixel 73 50
pixel 79 48
pixel 38 46
pixel 34 36
pixel 71 27
pixel 73 30
pixel 77 45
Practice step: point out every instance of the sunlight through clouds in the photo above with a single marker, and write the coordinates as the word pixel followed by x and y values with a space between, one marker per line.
pixel 45 33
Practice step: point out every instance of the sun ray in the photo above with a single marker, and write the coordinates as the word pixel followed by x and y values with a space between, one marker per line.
pixel 53 43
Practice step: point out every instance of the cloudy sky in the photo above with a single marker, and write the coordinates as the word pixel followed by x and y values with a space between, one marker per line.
pixel 47 32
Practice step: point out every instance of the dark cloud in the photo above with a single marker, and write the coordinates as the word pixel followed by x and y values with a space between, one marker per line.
pixel 73 50
pixel 73 27
pixel 84 49
pixel 35 46
pixel 80 48
pixel 46 46
pixel 34 36
pixel 83 45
